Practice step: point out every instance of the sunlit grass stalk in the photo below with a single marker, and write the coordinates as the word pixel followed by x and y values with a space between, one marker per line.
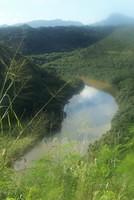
pixel 11 76
pixel 39 112
pixel 9 67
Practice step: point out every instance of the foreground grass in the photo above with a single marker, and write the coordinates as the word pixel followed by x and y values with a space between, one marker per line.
pixel 107 172
pixel 17 149
pixel 62 175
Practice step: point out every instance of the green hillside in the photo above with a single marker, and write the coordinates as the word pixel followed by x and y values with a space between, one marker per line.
pixel 51 39
pixel 37 85
pixel 31 102
pixel 106 171
pixel 111 60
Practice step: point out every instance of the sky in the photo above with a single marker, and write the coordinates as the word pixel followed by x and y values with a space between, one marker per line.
pixel 86 11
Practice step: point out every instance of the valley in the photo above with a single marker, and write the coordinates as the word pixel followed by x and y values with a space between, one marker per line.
pixel 52 76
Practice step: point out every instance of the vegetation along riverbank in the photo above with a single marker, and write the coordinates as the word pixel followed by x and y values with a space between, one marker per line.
pixel 106 171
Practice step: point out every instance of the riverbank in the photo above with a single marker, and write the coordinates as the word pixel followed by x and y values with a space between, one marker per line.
pixel 79 126
pixel 75 169
pixel 12 149
pixel 36 139
pixel 99 84
pixel 98 175
pixel 107 171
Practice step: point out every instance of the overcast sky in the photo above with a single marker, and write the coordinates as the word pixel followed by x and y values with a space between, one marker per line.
pixel 86 11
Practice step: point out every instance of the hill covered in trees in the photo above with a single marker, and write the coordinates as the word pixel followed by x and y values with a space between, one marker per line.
pixel 29 87
pixel 111 59
pixel 106 171
pixel 51 39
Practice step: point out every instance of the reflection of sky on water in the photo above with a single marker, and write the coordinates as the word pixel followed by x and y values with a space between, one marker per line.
pixel 88 114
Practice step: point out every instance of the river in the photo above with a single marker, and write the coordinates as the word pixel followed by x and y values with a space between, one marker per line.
pixel 88 117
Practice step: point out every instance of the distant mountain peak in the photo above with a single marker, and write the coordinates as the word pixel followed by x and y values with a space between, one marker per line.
pixel 117 15
pixel 50 23
pixel 46 23
pixel 53 23
pixel 116 19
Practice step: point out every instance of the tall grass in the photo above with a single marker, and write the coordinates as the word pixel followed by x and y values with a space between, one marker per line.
pixel 109 176
pixel 14 80
pixel 17 136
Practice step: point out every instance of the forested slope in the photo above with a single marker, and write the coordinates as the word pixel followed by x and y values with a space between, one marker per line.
pixel 32 87
pixel 111 60
pixel 51 39
pixel 106 172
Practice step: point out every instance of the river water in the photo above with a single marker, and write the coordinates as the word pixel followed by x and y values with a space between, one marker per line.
pixel 88 117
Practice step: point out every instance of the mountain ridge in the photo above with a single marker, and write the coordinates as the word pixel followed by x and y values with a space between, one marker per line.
pixel 47 23
pixel 116 19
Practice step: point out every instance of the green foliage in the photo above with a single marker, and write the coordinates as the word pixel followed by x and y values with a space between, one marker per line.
pixel 110 59
pixel 107 172
pixel 42 40
pixel 27 89
pixel 63 176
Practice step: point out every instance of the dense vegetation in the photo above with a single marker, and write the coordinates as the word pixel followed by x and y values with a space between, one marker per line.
pixel 111 60
pixel 33 87
pixel 31 102
pixel 106 172
pixel 52 39
pixel 107 176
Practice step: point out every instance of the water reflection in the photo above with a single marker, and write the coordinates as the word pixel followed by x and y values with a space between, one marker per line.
pixel 88 116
